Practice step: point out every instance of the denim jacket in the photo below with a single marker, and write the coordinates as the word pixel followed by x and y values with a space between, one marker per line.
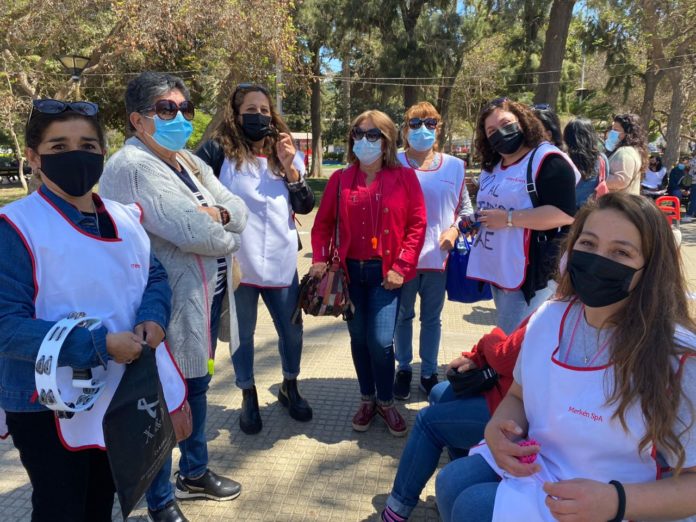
pixel 21 334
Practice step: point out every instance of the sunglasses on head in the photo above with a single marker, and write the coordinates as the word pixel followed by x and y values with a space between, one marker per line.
pixel 251 87
pixel 50 106
pixel 541 107
pixel 167 109
pixel 415 123
pixel 371 134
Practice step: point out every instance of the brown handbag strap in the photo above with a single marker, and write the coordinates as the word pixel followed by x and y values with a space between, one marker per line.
pixel 337 241
pixel 189 164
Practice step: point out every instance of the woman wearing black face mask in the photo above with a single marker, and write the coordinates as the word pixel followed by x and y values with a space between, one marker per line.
pixel 516 248
pixel 604 387
pixel 252 153
pixel 65 249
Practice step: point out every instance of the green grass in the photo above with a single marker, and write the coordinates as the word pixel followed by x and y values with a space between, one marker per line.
pixel 10 193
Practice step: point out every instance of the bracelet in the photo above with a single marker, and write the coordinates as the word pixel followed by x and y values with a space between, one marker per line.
pixel 509 218
pixel 622 501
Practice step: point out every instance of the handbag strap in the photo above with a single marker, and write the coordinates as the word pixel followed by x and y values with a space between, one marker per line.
pixel 337 241
pixel 531 186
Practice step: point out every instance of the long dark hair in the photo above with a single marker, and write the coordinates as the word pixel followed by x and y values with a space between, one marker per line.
pixel 551 122
pixel 658 163
pixel 581 140
pixel 635 136
pixel 228 132
pixel 531 127
pixel 643 345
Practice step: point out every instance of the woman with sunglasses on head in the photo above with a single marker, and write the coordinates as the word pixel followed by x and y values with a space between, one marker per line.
pixel 194 225
pixel 516 247
pixel 604 388
pixel 381 225
pixel 253 154
pixel 627 147
pixel 67 250
pixel 447 202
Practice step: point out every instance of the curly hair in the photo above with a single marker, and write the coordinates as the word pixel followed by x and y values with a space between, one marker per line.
pixel 581 139
pixel 419 110
pixel 644 346
pixel 228 131
pixel 531 127
pixel 635 136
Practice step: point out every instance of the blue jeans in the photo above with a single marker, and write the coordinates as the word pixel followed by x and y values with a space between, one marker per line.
pixel 431 288
pixel 194 450
pixel 465 489
pixel 281 304
pixel 691 211
pixel 512 308
pixel 372 328
pixel 450 421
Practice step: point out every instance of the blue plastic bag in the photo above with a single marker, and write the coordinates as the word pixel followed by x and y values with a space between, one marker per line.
pixel 459 287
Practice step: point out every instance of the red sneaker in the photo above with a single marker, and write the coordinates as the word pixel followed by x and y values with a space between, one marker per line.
pixel 363 418
pixel 395 422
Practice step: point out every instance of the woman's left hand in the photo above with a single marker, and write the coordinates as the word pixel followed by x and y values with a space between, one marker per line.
pixel 286 151
pixel 393 280
pixel 447 238
pixel 493 218
pixel 581 500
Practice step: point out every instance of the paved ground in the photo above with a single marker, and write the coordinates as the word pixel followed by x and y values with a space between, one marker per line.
pixel 321 470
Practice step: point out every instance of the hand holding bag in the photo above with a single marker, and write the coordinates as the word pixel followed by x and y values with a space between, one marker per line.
pixel 459 287
pixel 327 295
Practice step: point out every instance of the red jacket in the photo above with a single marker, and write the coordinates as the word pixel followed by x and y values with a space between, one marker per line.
pixel 402 224
pixel 500 352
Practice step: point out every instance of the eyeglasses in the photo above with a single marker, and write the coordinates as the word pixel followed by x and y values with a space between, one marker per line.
pixel 372 135
pixel 541 107
pixel 430 123
pixel 497 102
pixel 167 109
pixel 250 87
pixel 50 106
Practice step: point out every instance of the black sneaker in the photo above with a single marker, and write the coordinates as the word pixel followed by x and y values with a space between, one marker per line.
pixel 402 385
pixel 210 486
pixel 169 513
pixel 427 383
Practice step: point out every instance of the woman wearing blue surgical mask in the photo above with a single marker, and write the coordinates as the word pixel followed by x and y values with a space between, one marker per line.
pixel 381 216
pixel 447 202
pixel 627 145
pixel 194 224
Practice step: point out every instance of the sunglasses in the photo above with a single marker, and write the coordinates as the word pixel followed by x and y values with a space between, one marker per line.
pixel 415 123
pixel 541 107
pixel 167 109
pixel 372 135
pixel 251 87
pixel 50 106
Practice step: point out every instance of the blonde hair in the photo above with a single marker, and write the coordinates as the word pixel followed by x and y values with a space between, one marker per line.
pixel 419 110
pixel 389 134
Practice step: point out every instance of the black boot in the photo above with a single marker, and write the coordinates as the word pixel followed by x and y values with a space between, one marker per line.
pixel 289 396
pixel 250 418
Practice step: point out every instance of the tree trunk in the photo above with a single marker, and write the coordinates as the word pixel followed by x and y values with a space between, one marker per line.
pixel 444 96
pixel 20 160
pixel 674 120
pixel 653 77
pixel 315 111
pixel 554 51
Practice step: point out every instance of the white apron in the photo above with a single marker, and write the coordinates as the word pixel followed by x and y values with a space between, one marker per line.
pixel 501 256
pixel 442 190
pixel 105 278
pixel 268 255
pixel 563 405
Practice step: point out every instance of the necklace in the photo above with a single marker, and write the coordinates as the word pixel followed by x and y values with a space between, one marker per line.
pixel 375 226
pixel 434 163
pixel 586 359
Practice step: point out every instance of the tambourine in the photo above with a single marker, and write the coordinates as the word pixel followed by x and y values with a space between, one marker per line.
pixel 63 389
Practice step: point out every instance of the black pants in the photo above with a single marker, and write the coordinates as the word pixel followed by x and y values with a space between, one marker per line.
pixel 70 486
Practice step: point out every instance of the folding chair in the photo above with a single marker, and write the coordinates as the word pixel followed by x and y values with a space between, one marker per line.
pixel 671 208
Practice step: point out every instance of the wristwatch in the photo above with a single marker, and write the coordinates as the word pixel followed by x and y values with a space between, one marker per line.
pixel 509 218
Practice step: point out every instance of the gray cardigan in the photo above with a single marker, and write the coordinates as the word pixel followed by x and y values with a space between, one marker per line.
pixel 186 241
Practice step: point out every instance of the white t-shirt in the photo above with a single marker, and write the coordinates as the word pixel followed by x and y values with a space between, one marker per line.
pixel 653 179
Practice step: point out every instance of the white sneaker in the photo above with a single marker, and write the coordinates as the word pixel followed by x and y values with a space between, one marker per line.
pixel 687 219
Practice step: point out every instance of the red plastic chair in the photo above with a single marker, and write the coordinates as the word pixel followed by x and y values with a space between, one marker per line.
pixel 671 207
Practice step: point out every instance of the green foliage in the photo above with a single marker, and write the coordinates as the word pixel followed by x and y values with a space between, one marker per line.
pixel 200 124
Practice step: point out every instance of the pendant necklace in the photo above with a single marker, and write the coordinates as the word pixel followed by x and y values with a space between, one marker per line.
pixel 586 359
pixel 375 226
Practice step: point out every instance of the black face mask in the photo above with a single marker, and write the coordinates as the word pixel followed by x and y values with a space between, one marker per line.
pixel 507 139
pixel 256 126
pixel 75 172
pixel 599 281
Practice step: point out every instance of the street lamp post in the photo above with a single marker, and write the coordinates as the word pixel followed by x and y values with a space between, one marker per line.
pixel 75 65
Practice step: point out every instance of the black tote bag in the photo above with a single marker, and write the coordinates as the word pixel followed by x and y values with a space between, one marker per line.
pixel 137 430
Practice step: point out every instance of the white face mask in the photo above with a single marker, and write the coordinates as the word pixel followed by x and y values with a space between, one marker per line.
pixel 367 151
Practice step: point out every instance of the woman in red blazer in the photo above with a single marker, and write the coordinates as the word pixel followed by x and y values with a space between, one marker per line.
pixel 382 221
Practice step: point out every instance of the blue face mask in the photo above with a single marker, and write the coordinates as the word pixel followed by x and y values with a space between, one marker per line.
pixel 612 140
pixel 421 139
pixel 367 151
pixel 172 134
pixel 681 166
